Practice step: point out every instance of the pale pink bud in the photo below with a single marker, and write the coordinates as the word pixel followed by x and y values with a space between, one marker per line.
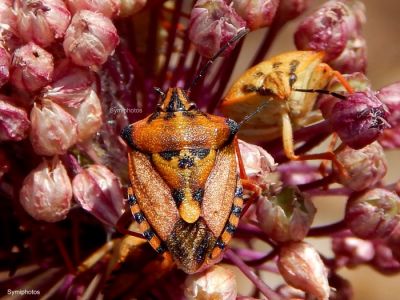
pixel 5 61
pixel 286 216
pixel 14 122
pixel 302 267
pixel 256 13
pixel 32 68
pixel 257 161
pixel 88 116
pixel 365 167
pixel 212 24
pixel 71 85
pixel 214 283
pixel 46 192
pixel 42 21
pixel 353 58
pixel 297 172
pixel 373 214
pixel 109 8
pixel 390 96
pixel 99 192
pixel 53 129
pixel 131 7
pixel 90 38
pixel 8 26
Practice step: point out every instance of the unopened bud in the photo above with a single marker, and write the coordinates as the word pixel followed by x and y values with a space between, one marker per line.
pixel 90 38
pixel 365 167
pixel 109 8
pixel 214 283
pixel 46 192
pixel 8 26
pixel 256 13
pixel 5 61
pixel 14 122
pixel 373 214
pixel 99 192
pixel 212 24
pixel 302 267
pixel 286 216
pixel 53 129
pixel 353 57
pixel 42 21
pixel 32 68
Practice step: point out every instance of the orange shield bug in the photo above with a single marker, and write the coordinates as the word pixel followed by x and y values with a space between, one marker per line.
pixel 286 86
pixel 185 192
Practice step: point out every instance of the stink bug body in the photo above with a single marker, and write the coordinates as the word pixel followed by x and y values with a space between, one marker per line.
pixel 186 195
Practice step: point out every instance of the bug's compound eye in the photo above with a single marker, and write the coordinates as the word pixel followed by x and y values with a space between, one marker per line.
pixel 192 106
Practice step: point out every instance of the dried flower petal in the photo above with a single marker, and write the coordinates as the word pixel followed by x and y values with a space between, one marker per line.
pixel 373 214
pixel 90 38
pixel 109 8
pixel 32 68
pixel 214 283
pixel 286 216
pixel 46 192
pixel 365 167
pixel 42 21
pixel 14 122
pixel 71 85
pixel 256 13
pixel 99 192
pixel 53 129
pixel 302 267
pixel 212 24
pixel 131 7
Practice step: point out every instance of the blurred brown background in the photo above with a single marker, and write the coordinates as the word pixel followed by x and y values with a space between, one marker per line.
pixel 382 32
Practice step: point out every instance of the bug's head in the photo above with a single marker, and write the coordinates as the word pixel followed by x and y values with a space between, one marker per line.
pixel 176 100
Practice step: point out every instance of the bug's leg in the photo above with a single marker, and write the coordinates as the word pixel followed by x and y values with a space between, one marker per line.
pixel 339 77
pixel 144 226
pixel 124 221
pixel 288 147
pixel 331 147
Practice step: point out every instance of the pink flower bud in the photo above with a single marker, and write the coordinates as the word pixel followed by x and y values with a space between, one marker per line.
pixel 302 267
pixel 297 172
pixel 384 260
pixel 5 61
pixel 53 129
pixel 390 96
pixel 46 192
pixel 88 116
pixel 8 26
pixel 359 119
pixel 42 21
pixel 90 38
pixel 32 68
pixel 286 216
pixel 71 85
pixel 99 192
pixel 353 57
pixel 14 122
pixel 256 160
pixel 214 283
pixel 291 9
pixel 365 167
pixel 109 8
pixel 256 13
pixel 373 214
pixel 131 7
pixel 212 24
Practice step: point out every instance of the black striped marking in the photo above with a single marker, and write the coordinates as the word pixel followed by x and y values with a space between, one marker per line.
pixel 139 217
pixel 178 196
pixel 220 244
pixel 239 192
pixel 148 234
pixel 236 210
pixel 131 200
pixel 186 162
pixel 198 195
pixel 230 228
pixel 168 155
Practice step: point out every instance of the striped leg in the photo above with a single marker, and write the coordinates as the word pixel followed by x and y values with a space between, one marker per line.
pixel 144 226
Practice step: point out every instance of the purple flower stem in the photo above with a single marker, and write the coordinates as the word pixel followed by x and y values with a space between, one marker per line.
pixel 71 163
pixel 170 41
pixel 325 181
pixel 327 230
pixel 261 285
pixel 330 192
pixel 260 261
pixel 246 231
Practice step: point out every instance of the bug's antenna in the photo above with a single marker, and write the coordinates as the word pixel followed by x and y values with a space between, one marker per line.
pixel 248 117
pixel 325 92
pixel 204 69
pixel 159 91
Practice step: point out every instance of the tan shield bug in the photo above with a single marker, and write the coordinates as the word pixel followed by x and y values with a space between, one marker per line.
pixel 185 192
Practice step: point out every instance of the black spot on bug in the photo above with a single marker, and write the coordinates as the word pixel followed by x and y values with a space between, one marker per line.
pixel 200 153
pixel 276 65
pixel 292 79
pixel 178 196
pixel 168 155
pixel 293 65
pixel 259 74
pixel 169 115
pixel 148 234
pixel 131 200
pixel 230 228
pixel 249 88
pixel 153 116
pixel 264 91
pixel 188 114
pixel 239 192
pixel 236 210
pixel 233 128
pixel 161 249
pixel 175 103
pixel 126 134
pixel 220 244
pixel 139 217
pixel 201 250
pixel 198 195
pixel 186 162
